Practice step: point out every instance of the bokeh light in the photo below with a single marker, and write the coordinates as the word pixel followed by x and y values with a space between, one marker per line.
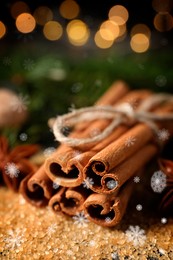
pixel 52 30
pixel 101 42
pixel 118 14
pixel 162 5
pixel 25 23
pixel 122 30
pixel 78 33
pixel 19 8
pixel 2 29
pixel 163 22
pixel 109 30
pixel 69 9
pixel 42 15
pixel 139 43
pixel 140 28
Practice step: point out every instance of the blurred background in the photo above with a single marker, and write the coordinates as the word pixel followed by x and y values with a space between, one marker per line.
pixel 60 55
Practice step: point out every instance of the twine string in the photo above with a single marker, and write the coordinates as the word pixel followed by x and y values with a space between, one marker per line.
pixel 120 114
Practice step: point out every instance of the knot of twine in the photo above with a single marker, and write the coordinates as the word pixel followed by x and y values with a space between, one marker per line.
pixel 120 114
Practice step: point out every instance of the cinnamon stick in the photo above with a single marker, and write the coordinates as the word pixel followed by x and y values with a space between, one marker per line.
pixel 122 148
pixel 69 201
pixel 66 168
pixel 37 188
pixel 113 180
pixel 107 210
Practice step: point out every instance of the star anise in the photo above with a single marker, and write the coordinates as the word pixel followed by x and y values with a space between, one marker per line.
pixel 167 201
pixel 14 163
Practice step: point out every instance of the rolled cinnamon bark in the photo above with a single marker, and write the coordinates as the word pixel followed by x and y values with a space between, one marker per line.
pixel 107 210
pixel 67 169
pixel 125 146
pixel 37 188
pixel 69 201
pixel 112 181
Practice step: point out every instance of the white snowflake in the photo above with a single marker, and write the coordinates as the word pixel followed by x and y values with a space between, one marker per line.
pixel 92 243
pixel 111 184
pixel 76 87
pixel 51 229
pixel 130 141
pixel 136 179
pixel 164 220
pixel 28 64
pixel 19 103
pixel 80 219
pixel 163 134
pixel 72 107
pixel 49 151
pixel 7 61
pixel 77 154
pixel 14 238
pixel 23 137
pixel 25 37
pixel 22 201
pixel 136 235
pixel 88 182
pixel 55 185
pixel 162 251
pixel 69 252
pixel 115 256
pixel 161 80
pixel 139 207
pixel 108 219
pixel 98 83
pixel 94 132
pixel 11 170
pixel 158 181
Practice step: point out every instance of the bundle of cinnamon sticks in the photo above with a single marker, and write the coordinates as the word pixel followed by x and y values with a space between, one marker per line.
pixel 97 178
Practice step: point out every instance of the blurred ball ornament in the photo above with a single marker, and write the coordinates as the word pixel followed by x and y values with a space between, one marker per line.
pixel 8 115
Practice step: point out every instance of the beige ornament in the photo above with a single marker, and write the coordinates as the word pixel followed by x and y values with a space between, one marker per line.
pixel 13 109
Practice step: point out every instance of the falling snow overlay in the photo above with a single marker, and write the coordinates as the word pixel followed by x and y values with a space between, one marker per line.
pixel 108 219
pixel 94 132
pixel 77 87
pixel 80 219
pixel 72 107
pixel 92 243
pixel 14 239
pixel 163 134
pixel 23 137
pixel 164 220
pixel 136 235
pixel 19 103
pixel 139 207
pixel 12 170
pixel 130 141
pixel 162 251
pixel 160 80
pixel 52 229
pixel 49 151
pixel 136 179
pixel 115 256
pixel 55 185
pixel 88 182
pixel 111 184
pixel 77 154
pixel 28 64
pixel 158 181
pixel 7 61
